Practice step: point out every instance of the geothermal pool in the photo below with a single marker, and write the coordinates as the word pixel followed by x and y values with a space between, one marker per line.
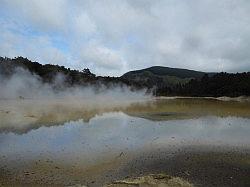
pixel 60 143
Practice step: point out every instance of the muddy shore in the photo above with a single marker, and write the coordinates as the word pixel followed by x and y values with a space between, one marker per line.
pixel 200 166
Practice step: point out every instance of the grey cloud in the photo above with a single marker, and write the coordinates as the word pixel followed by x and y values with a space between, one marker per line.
pixel 44 14
pixel 206 35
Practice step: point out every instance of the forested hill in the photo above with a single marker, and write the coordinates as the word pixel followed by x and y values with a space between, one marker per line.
pixel 160 77
pixel 162 80
pixel 48 72
pixel 167 71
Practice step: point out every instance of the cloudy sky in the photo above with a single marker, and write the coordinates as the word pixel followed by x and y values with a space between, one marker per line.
pixel 113 36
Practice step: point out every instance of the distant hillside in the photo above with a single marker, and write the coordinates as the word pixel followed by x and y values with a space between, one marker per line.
pixel 161 76
pixel 48 73
pixel 167 71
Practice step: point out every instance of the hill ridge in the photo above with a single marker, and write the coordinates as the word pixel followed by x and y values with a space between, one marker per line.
pixel 170 71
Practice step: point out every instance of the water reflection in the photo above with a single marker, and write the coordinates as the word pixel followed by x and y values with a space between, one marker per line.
pixel 118 131
pixel 20 116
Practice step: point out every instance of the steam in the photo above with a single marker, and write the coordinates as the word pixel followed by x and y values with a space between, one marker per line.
pixel 22 84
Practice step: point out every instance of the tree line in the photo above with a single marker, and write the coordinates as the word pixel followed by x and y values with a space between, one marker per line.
pixel 220 84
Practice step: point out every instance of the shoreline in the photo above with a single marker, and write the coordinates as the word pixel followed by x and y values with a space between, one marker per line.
pixel 222 98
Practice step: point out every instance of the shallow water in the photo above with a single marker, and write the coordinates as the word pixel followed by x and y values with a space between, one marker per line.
pixel 205 141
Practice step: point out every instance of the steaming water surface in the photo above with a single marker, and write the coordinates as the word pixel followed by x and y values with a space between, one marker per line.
pixel 205 141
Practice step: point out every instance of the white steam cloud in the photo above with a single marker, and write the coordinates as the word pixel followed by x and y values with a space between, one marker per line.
pixel 24 85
